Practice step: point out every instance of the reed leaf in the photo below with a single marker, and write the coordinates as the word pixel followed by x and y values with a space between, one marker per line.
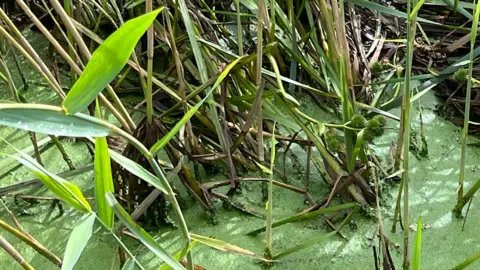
pixel 129 265
pixel 78 241
pixel 66 191
pixel 48 120
pixel 102 177
pixel 106 62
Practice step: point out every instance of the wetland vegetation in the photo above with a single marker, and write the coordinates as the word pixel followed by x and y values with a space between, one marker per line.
pixel 239 134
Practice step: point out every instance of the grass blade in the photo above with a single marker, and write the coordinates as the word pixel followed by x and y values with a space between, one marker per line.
pixel 78 241
pixel 315 240
pixel 417 249
pixel 268 249
pixel 180 255
pixel 142 235
pixel 161 143
pixel 467 262
pixel 306 216
pixel 106 62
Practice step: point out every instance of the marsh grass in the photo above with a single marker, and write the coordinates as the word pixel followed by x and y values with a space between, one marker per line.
pixel 211 95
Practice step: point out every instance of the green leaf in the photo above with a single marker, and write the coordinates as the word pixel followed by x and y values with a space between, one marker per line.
pixel 103 177
pixel 306 216
pixel 417 248
pixel 315 240
pixel 49 120
pixel 106 62
pixel 180 254
pixel 137 170
pixel 103 180
pixel 264 169
pixel 224 246
pixel 467 262
pixel 142 235
pixel 358 146
pixel 161 143
pixel 129 265
pixel 66 191
pixel 77 241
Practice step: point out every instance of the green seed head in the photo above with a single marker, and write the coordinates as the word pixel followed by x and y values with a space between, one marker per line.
pixel 460 75
pixel 332 142
pixel 358 121
pixel 376 126
pixel 399 70
pixel 368 135
pixel 377 67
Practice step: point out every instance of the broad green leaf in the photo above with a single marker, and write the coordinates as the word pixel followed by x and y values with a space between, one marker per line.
pixel 66 191
pixel 106 62
pixel 224 246
pixel 417 248
pixel 137 170
pixel 103 176
pixel 78 241
pixel 142 235
pixel 49 120
pixel 161 143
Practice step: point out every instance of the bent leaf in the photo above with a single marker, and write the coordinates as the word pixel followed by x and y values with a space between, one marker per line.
pixel 49 120
pixel 106 62
pixel 78 241
pixel 308 215
pixel 66 191
pixel 224 246
pixel 141 234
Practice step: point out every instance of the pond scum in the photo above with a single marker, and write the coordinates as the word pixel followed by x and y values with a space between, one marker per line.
pixel 240 134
